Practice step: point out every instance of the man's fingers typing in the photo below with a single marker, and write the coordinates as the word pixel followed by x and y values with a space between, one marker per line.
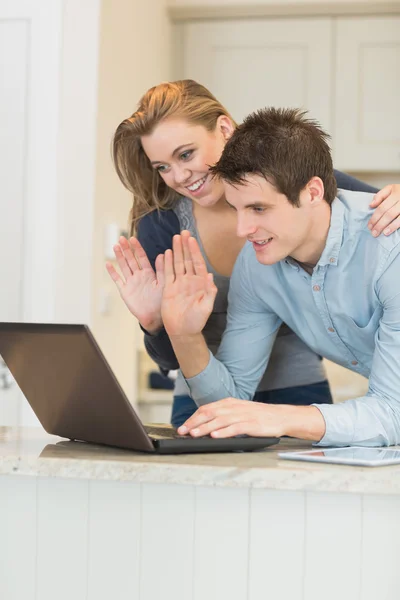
pixel 241 428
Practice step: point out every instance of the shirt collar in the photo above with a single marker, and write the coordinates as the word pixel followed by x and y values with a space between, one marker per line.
pixel 330 254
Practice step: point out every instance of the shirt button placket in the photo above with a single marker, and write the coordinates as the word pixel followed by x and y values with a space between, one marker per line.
pixel 318 293
pixel 317 290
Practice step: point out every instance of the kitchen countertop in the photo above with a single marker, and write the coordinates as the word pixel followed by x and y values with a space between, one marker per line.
pixel 32 452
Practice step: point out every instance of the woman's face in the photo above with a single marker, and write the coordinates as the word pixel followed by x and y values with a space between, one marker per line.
pixel 182 154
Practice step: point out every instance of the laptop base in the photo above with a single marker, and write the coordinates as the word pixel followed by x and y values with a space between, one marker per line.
pixel 208 444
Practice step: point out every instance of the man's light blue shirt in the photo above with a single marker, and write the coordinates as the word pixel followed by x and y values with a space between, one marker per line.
pixel 348 311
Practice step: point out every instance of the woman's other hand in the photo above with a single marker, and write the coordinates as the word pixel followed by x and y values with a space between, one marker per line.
pixel 386 217
pixel 140 287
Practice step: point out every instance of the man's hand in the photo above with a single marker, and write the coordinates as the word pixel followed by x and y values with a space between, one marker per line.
pixel 189 291
pixel 386 217
pixel 230 417
pixel 140 288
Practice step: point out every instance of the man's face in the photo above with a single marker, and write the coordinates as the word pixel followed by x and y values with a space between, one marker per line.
pixel 275 227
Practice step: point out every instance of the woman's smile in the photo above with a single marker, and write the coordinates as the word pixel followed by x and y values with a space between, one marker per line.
pixel 196 187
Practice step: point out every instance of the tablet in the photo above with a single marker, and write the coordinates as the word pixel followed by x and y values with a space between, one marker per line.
pixel 353 455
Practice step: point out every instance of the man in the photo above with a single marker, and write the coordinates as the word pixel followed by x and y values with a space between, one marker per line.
pixel 310 263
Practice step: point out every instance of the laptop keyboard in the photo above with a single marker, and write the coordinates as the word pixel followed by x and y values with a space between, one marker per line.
pixel 164 432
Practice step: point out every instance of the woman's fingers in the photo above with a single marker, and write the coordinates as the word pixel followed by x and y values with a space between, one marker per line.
pixel 128 255
pixel 386 217
pixel 115 276
pixel 381 195
pixel 386 222
pixel 129 262
pixel 387 211
pixel 394 226
pixel 122 262
pixel 160 272
pixel 140 254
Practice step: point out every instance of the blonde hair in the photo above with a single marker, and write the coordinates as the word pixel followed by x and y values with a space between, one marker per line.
pixel 184 99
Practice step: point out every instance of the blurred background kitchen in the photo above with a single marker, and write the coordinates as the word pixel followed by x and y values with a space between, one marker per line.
pixel 71 70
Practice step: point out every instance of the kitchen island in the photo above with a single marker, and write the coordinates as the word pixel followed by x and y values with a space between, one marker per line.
pixel 91 523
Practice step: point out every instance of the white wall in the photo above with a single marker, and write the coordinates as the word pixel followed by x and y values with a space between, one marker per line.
pixel 76 164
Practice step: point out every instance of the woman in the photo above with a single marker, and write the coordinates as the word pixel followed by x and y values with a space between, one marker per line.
pixel 162 154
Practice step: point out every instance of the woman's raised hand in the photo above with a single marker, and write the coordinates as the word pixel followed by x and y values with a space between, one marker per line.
pixel 140 287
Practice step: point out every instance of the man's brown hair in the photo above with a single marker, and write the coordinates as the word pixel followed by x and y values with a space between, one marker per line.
pixel 284 147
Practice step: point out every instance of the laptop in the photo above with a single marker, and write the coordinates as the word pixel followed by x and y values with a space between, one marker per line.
pixel 71 388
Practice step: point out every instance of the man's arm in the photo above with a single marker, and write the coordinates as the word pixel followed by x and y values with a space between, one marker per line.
pixel 374 419
pixel 371 420
pixel 246 344
pixel 187 302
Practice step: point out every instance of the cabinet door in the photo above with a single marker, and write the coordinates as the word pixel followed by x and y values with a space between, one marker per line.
pixel 269 62
pixel 367 122
pixel 30 39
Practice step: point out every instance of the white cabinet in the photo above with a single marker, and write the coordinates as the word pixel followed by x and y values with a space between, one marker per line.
pixel 30 41
pixel 345 71
pixel 251 64
pixel 367 96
